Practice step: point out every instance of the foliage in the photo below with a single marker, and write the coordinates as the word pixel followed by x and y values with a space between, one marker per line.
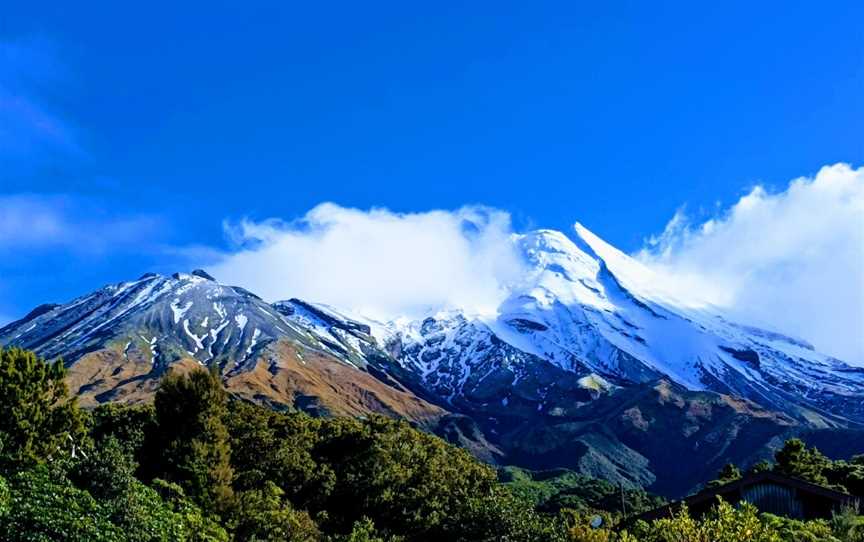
pixel 848 475
pixel 129 425
pixel 726 523
pixel 198 467
pixel 107 473
pixel 729 473
pixel 4 497
pixel 803 531
pixel 723 524
pixel 557 489
pixel 46 506
pixel 795 459
pixel 759 467
pixel 37 420
pixel 848 525
pixel 201 527
pixel 262 515
pixel 192 440
pixel 406 480
pixel 269 445
pixel 364 531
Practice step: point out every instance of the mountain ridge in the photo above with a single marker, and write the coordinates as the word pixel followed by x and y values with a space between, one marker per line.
pixel 586 364
pixel 573 311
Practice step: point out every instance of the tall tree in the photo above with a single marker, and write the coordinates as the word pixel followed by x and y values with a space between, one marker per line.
pixel 795 459
pixel 37 419
pixel 193 440
pixel 760 466
pixel 729 473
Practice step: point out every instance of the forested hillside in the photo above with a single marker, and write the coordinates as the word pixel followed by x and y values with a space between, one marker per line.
pixel 199 465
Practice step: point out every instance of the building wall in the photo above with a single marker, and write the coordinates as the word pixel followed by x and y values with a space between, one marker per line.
pixel 774 499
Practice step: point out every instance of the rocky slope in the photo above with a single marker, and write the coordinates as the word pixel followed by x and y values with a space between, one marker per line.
pixel 120 339
pixel 587 316
pixel 588 363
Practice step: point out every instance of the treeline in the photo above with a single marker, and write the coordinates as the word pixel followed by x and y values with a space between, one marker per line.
pixel 553 491
pixel 198 466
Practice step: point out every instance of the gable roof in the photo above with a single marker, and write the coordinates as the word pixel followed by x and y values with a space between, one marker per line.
pixel 710 494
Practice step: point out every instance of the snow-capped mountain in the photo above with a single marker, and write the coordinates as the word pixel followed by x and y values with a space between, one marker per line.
pixel 590 362
pixel 120 339
pixel 591 311
pixel 188 316
pixel 160 318
pixel 583 318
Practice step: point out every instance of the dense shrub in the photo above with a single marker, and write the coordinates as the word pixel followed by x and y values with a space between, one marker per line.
pixel 199 467
pixel 36 417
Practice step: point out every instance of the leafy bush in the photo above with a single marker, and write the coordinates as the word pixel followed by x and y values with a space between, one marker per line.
pixel 37 420
pixel 45 506
pixel 198 467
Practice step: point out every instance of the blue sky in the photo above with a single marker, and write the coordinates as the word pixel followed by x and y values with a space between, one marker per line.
pixel 134 133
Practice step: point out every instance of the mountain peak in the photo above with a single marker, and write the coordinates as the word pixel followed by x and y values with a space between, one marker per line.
pixel 629 272
pixel 203 274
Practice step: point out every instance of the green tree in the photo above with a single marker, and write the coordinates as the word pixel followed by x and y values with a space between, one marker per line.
pixel 760 466
pixel 200 526
pixel 795 459
pixel 37 419
pixel 192 439
pixel 268 445
pixel 847 474
pixel 4 497
pixel 45 506
pixel 364 531
pixel 724 523
pixel 416 485
pixel 800 531
pixel 262 515
pixel 130 425
pixel 107 473
pixel 729 473
pixel 848 525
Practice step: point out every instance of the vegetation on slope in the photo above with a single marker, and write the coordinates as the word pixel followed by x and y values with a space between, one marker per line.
pixel 796 460
pixel 198 466
pixel 554 490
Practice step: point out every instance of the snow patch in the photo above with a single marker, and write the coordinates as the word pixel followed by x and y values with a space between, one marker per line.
pixel 253 342
pixel 199 341
pixel 178 311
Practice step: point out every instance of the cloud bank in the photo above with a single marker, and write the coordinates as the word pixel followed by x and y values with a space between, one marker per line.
pixel 791 260
pixel 380 263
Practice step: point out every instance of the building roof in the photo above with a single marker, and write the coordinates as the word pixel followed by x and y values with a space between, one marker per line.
pixel 708 495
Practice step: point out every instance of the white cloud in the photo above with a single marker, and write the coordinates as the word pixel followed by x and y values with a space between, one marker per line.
pixel 379 262
pixel 792 260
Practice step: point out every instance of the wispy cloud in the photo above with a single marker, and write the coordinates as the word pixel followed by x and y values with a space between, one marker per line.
pixel 792 260
pixel 30 222
pixel 379 262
